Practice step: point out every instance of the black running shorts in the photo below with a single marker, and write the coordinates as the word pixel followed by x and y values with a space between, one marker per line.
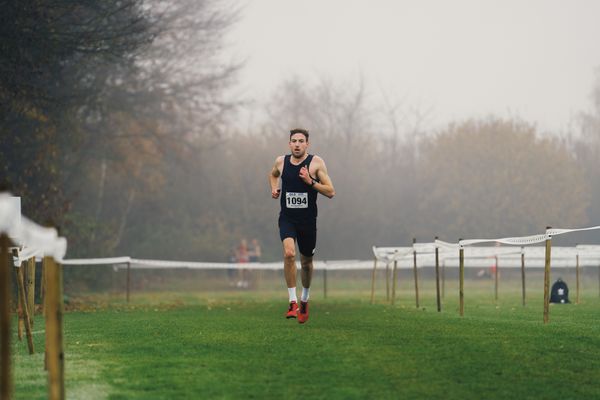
pixel 304 233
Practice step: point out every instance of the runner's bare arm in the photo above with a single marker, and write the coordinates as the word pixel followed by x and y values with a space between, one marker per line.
pixel 324 186
pixel 274 177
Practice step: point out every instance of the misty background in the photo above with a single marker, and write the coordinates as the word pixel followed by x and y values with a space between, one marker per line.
pixel 147 127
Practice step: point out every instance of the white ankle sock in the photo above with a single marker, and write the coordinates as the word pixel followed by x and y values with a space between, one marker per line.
pixel 292 294
pixel 305 294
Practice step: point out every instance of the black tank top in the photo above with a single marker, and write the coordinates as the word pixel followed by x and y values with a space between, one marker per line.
pixel 298 200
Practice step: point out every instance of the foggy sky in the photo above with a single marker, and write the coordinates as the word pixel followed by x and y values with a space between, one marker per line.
pixel 462 58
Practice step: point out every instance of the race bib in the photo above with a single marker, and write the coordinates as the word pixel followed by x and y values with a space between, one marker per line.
pixel 296 200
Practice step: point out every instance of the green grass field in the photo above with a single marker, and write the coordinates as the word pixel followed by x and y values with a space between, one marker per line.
pixel 238 345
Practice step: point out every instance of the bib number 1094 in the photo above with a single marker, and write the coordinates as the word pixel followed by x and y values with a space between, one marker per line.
pixel 296 200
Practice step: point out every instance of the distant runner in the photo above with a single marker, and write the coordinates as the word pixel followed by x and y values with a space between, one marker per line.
pixel 303 176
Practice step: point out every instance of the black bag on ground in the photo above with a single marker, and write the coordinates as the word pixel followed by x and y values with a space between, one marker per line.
pixel 560 292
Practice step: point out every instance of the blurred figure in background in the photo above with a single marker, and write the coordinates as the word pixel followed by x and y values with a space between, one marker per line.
pixel 242 256
pixel 254 251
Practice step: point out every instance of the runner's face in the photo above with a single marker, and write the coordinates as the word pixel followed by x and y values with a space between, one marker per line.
pixel 298 145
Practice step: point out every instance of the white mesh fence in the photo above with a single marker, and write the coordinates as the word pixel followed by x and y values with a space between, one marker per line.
pixel 33 240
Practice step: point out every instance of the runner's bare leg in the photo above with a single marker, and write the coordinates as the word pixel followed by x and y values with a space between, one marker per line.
pixel 307 270
pixel 289 261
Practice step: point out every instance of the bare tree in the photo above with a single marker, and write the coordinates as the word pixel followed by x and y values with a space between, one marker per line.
pixel 497 177
pixel 587 148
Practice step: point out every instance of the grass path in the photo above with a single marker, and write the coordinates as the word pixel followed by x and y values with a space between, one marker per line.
pixel 244 348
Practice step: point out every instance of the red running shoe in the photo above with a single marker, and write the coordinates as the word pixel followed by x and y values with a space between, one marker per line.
pixel 303 312
pixel 292 311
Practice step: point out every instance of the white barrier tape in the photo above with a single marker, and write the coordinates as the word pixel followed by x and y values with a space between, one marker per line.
pixel 167 264
pixel 446 245
pixel 390 254
pixel 164 264
pixel 492 251
pixel 475 261
pixel 120 262
pixel 9 214
pixel 424 248
pixel 35 236
pixel 528 252
pixel 472 253
pixel 96 261
pixel 527 240
pixel 515 263
pixel 159 264
pixel 403 256
pixel 554 232
pixel 27 233
pixel 25 254
pixel 588 247
pixel 520 241
pixel 429 248
pixel 44 240
pixel 317 265
pixel 527 258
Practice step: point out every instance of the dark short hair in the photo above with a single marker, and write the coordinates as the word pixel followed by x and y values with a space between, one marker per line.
pixel 299 130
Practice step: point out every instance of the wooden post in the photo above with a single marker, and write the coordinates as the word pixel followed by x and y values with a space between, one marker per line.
pixel 577 277
pixel 325 282
pixel 523 274
pixel 5 288
pixel 24 308
pixel 20 306
pixel 437 278
pixel 443 278
pixel 128 280
pixel 547 280
pixel 394 278
pixel 461 273
pixel 54 332
pixel 30 281
pixel 416 274
pixel 373 279
pixel 387 281
pixel 496 278
pixel 43 287
pixel 113 288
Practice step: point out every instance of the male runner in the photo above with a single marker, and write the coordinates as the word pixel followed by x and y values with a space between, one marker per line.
pixel 303 176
